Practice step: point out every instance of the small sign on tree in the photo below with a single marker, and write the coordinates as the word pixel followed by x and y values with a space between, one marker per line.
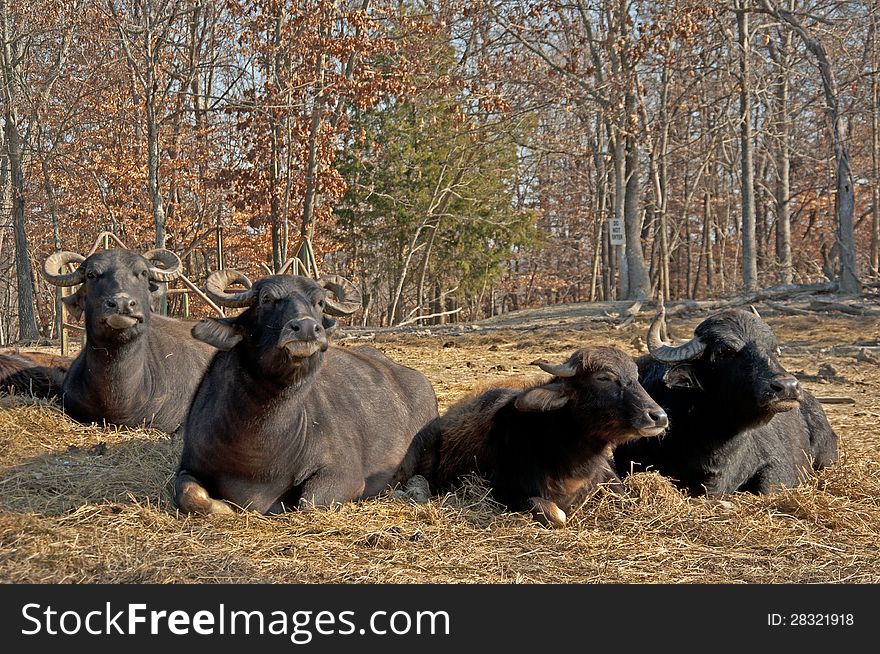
pixel 615 227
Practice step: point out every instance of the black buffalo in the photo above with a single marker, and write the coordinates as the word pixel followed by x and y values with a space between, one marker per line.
pixel 543 447
pixel 32 373
pixel 738 420
pixel 136 367
pixel 282 420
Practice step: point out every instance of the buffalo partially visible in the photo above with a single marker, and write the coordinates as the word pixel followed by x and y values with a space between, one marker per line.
pixel 738 420
pixel 32 373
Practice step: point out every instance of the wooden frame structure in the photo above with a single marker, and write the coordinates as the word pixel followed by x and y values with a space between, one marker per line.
pixel 303 262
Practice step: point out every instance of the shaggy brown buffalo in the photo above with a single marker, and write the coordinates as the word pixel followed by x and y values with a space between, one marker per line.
pixel 283 420
pixel 738 420
pixel 136 367
pixel 542 447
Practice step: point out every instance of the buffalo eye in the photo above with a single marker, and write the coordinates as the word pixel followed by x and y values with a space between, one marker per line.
pixel 266 299
pixel 606 377
pixel 321 303
pixel 91 275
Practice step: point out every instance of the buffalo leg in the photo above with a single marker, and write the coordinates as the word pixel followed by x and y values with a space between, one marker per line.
pixel 325 488
pixel 768 480
pixel 547 512
pixel 191 497
pixel 611 480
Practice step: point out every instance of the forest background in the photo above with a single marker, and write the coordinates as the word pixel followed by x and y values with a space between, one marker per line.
pixel 455 158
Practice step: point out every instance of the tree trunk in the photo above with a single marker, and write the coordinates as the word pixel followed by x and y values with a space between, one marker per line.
pixel 404 271
pixel 637 278
pixel 707 234
pixel 749 258
pixel 706 255
pixel 601 210
pixel 660 184
pixel 875 153
pixel 52 202
pixel 721 239
pixel 599 218
pixel 9 80
pixel 423 272
pixel 783 161
pixel 607 263
pixel 154 185
pixel 761 221
pixel 849 281
pixel 312 157
pixel 275 218
pixel 27 320
pixel 273 65
pixel 619 252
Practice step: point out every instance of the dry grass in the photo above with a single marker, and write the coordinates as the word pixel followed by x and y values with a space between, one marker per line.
pixel 74 510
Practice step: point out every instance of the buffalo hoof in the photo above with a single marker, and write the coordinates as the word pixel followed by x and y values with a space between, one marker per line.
pixel 191 497
pixel 415 490
pixel 547 513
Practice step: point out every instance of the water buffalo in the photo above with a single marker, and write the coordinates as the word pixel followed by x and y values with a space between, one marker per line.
pixel 282 420
pixel 136 368
pixel 738 420
pixel 33 373
pixel 542 447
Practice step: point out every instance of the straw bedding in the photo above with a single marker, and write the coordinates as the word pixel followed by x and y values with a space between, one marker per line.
pixel 82 503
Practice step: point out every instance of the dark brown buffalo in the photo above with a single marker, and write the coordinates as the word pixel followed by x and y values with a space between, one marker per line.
pixel 281 419
pixel 136 368
pixel 738 420
pixel 543 447
pixel 32 373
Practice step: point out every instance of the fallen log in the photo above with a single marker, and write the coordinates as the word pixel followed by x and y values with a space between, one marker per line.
pixel 835 399
pixel 840 307
pixel 786 292
pixel 629 314
pixel 789 311
pixel 830 350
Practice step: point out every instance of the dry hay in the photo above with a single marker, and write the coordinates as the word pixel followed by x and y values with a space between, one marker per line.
pixel 90 504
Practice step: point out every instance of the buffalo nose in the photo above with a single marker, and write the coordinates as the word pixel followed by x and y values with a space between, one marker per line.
pixel 659 417
pixel 306 328
pixel 121 303
pixel 785 386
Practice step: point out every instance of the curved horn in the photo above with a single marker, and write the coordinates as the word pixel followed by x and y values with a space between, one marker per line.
pixel 218 281
pixel 348 297
pixel 666 353
pixel 556 369
pixel 171 266
pixel 55 264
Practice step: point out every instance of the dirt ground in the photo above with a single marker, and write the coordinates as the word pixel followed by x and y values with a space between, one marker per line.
pixel 90 504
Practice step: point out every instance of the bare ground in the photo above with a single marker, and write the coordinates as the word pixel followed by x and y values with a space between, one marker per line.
pixel 91 504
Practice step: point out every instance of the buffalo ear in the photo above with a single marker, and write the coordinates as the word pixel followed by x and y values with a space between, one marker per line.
pixel 547 397
pixel 74 303
pixel 222 333
pixel 155 297
pixel 682 376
